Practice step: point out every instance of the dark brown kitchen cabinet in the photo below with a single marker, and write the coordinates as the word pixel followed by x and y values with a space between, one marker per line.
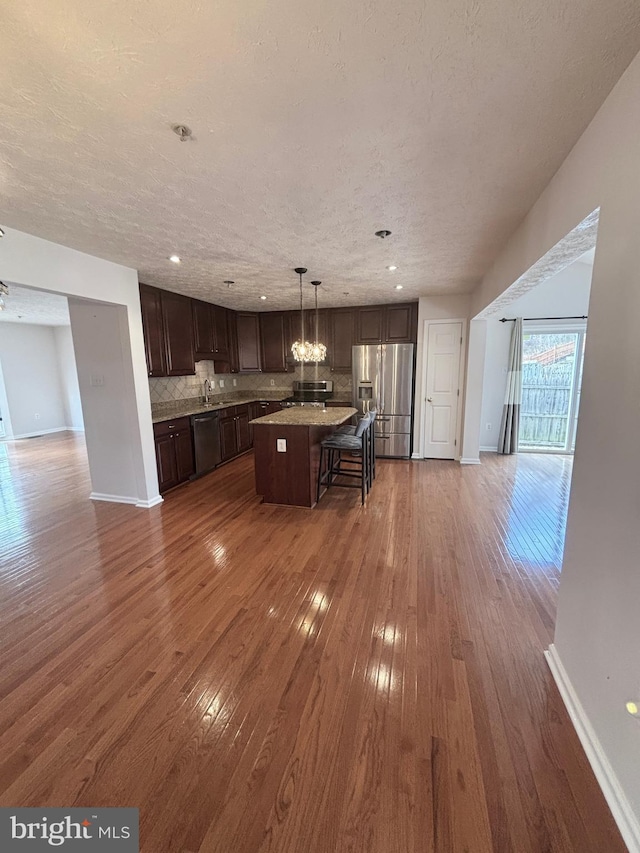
pixel 340 339
pixel 248 332
pixel 174 452
pixel 228 437
pixel 242 429
pixel 235 434
pixel 401 323
pixel 273 341
pixel 202 329
pixel 220 324
pixel 166 462
pixel 232 332
pixel 177 320
pixel 369 325
pixel 153 330
pixel 386 324
pixel 211 332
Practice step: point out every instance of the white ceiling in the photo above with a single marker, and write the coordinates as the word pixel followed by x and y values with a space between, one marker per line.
pixel 24 305
pixel 313 125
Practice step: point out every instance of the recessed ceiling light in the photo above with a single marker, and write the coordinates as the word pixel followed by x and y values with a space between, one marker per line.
pixel 263 297
pixel 174 259
pixel 398 287
pixel 392 268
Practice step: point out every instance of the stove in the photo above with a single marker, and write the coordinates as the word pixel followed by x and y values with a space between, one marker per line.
pixel 310 393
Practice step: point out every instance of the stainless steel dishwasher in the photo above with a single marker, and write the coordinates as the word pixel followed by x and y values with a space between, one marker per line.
pixel 206 441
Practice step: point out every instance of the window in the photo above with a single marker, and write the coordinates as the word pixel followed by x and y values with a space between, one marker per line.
pixel 551 376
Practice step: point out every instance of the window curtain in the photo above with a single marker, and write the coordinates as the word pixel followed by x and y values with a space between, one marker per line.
pixel 508 438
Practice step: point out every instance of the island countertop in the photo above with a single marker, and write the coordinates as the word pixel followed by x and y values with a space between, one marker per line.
pixel 309 416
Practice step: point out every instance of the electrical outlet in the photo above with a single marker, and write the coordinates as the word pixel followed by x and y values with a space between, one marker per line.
pixel 272 382
pixel 281 445
pixel 97 380
pixel 235 382
pixel 222 383
pixel 37 416
pixel 213 383
pixel 489 427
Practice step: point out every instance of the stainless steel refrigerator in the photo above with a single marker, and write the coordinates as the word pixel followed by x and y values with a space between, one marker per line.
pixel 383 380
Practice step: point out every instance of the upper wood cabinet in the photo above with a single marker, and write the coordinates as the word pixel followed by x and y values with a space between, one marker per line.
pixel 248 332
pixel 153 330
pixel 202 329
pixel 220 326
pixel 177 320
pixel 273 337
pixel 401 323
pixel 386 324
pixel 369 325
pixel 210 330
pixel 340 338
pixel 178 331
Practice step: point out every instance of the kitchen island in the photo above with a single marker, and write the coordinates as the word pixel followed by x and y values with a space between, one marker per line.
pixel 286 447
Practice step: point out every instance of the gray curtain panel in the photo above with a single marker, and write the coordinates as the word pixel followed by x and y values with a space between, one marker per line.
pixel 508 438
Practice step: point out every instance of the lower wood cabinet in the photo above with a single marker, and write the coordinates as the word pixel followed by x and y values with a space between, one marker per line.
pixel 174 452
pixel 235 434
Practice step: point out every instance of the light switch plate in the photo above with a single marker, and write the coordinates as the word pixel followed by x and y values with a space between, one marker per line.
pixel 281 445
pixel 222 383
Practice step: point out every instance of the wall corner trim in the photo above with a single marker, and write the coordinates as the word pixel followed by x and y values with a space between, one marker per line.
pixel 464 461
pixel 152 502
pixel 623 814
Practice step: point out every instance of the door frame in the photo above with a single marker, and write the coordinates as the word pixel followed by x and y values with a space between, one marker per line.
pixel 461 377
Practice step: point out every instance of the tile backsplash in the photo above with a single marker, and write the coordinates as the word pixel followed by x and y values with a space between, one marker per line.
pixel 169 388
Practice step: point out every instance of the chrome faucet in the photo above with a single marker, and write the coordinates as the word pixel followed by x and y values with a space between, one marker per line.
pixel 207 391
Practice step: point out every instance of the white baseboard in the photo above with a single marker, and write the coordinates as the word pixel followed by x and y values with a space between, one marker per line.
pixel 123 499
pixel 416 456
pixel 464 461
pixel 116 499
pixel 152 502
pixel 623 814
pixel 39 432
pixel 489 449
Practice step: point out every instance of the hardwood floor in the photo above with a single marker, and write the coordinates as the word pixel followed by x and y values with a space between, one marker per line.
pixel 258 678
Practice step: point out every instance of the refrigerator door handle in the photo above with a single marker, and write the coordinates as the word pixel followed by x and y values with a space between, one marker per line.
pixel 381 350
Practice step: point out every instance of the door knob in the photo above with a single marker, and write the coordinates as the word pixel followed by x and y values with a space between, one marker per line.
pixel 429 399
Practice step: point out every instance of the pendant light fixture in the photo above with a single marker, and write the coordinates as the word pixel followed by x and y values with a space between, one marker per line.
pixel 304 350
pixel 318 350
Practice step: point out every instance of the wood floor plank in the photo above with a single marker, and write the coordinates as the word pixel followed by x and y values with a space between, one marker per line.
pixel 263 679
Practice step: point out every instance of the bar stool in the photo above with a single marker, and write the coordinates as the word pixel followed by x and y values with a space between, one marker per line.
pixel 348 429
pixel 357 445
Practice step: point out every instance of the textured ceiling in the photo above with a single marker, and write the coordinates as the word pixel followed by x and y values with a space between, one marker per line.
pixel 314 125
pixel 24 305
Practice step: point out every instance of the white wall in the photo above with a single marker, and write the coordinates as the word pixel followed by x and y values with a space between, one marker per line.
pixel 564 294
pixel 32 262
pixel 432 308
pixel 68 378
pixel 597 641
pixel 32 379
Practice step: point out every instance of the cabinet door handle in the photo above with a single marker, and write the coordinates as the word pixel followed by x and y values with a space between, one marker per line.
pixel 171 426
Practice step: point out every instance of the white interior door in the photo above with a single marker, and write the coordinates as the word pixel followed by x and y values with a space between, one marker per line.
pixel 444 341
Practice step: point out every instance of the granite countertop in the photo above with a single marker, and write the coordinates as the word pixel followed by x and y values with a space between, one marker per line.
pixel 200 409
pixel 308 416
